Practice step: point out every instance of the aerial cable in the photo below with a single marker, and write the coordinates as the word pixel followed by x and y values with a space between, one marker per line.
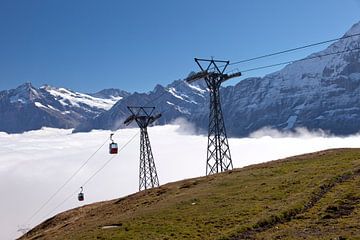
pixel 107 162
pixel 91 177
pixel 293 49
pixel 299 60
pixel 65 183
pixel 59 205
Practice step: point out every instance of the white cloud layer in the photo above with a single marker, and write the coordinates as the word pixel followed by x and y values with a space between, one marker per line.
pixel 35 164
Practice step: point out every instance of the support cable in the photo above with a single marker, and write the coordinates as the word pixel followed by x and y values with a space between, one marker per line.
pixel 92 176
pixel 293 49
pixel 65 183
pixel 300 60
pixel 107 162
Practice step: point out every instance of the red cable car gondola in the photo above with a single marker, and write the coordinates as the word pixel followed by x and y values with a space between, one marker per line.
pixel 113 147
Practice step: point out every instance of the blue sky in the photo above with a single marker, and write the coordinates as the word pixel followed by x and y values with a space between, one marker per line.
pixel 88 45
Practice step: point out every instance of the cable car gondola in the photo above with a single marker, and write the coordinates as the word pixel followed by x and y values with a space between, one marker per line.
pixel 81 195
pixel 113 147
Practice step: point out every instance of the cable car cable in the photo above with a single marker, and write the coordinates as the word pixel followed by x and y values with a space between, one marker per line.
pixel 300 60
pixel 293 49
pixel 65 183
pixel 107 162
pixel 59 205
pixel 92 176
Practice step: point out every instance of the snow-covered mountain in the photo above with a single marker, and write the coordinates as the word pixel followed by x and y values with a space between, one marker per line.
pixel 92 102
pixel 321 93
pixel 28 108
pixel 177 99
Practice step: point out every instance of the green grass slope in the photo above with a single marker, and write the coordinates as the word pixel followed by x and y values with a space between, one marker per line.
pixel 312 196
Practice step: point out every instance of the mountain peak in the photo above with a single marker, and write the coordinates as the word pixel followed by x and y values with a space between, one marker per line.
pixel 110 93
pixel 25 86
pixel 24 93
pixel 355 29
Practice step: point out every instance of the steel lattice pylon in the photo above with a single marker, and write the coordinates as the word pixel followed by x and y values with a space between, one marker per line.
pixel 148 177
pixel 147 172
pixel 218 150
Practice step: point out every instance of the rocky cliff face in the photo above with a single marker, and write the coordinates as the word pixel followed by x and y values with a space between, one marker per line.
pixel 322 93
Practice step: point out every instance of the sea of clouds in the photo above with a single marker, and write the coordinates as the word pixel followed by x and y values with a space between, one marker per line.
pixel 33 165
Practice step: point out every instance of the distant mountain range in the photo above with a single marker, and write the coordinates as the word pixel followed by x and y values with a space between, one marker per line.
pixel 29 108
pixel 321 93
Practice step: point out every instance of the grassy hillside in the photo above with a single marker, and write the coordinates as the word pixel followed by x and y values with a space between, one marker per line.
pixel 312 196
